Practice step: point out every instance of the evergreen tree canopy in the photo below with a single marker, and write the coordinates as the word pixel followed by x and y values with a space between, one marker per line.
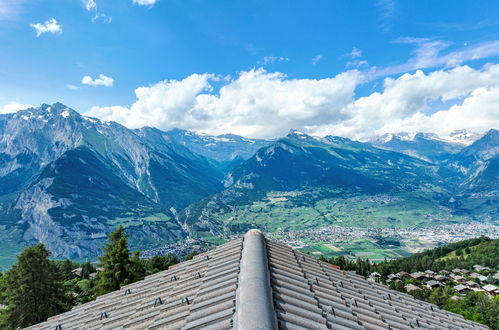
pixel 33 289
pixel 118 267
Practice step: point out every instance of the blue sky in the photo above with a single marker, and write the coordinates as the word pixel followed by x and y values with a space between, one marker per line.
pixel 153 44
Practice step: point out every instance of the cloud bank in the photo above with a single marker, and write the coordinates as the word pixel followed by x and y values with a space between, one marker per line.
pixel 258 103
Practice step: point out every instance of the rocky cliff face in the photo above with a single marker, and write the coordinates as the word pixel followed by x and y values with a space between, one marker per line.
pixel 67 181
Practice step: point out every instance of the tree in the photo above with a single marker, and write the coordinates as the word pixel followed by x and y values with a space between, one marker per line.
pixel 191 255
pixel 119 268
pixel 160 263
pixel 33 289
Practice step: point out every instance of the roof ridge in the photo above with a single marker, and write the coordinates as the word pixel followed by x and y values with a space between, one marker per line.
pixel 254 302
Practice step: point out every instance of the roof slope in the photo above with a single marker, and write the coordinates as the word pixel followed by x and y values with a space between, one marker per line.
pixel 256 283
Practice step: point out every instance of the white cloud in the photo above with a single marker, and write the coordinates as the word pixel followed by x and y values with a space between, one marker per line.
pixel 49 26
pixel 317 58
pixel 101 81
pixel 73 87
pixel 149 3
pixel 13 106
pixel 257 103
pixel 354 53
pixel 103 18
pixel 403 105
pixel 272 59
pixel 428 54
pixel 11 9
pixel 89 5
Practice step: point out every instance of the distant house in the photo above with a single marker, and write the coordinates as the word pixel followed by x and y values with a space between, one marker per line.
pixel 480 268
pixel 76 272
pixel 402 274
pixel 444 272
pixel 465 271
pixel 462 289
pixel 418 275
pixel 474 275
pixel 482 278
pixel 440 278
pixel 472 284
pixel 391 276
pixel 411 287
pixel 429 272
pixel 458 278
pixel 373 277
pixel 433 284
pixel 456 270
pixel 491 289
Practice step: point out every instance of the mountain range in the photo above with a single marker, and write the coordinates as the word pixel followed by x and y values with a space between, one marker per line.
pixel 67 180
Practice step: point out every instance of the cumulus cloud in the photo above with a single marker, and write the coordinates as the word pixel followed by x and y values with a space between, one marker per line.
pixel 149 3
pixel 49 26
pixel 404 104
pixel 13 106
pixel 257 103
pixel 101 81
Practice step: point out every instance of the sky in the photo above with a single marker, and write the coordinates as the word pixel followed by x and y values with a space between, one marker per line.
pixel 257 68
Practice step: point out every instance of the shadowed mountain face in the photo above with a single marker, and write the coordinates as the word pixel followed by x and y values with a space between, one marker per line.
pixel 336 168
pixel 68 180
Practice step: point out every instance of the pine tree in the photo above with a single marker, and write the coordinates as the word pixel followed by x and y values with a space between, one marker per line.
pixel 33 289
pixel 118 267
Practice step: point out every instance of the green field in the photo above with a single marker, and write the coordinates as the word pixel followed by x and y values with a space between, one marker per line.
pixel 302 210
pixel 362 248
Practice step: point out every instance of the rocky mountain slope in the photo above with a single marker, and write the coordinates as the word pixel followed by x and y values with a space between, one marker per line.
pixel 309 175
pixel 67 180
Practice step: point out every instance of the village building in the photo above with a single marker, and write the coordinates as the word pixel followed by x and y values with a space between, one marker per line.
pixel 411 287
pixel 432 284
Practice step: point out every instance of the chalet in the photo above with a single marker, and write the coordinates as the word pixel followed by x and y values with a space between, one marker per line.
pixel 458 278
pixel 430 273
pixel 411 287
pixel 255 283
pixel 462 289
pixel 480 268
pixel 482 278
pixel 491 289
pixel 472 284
pixel 474 275
pixel 440 278
pixel 432 284
pixel 419 275
pixel 76 272
pixel 403 274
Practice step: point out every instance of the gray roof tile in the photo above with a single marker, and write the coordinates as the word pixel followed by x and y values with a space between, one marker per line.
pixel 303 293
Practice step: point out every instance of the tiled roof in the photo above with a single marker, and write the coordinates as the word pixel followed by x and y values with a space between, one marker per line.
pixel 256 283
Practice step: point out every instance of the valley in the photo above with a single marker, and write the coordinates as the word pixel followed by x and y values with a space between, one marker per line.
pixel 67 181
